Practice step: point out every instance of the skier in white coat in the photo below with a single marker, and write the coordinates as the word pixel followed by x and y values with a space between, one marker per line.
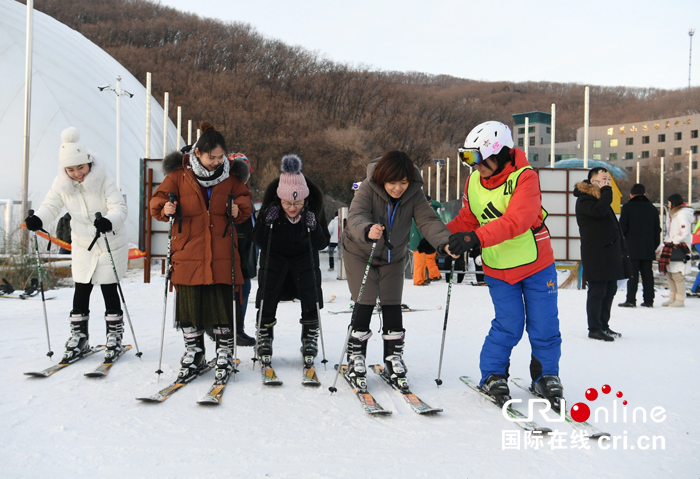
pixel 83 188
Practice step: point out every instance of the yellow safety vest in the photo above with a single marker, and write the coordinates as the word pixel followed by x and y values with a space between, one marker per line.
pixel 488 205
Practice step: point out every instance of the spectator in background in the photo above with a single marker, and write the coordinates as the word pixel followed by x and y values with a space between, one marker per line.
pixel 333 230
pixel 424 253
pixel 674 259
pixel 639 222
pixel 63 232
pixel 246 249
pixel 696 245
pixel 601 250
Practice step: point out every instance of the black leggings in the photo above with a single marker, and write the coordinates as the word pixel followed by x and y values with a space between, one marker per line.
pixel 392 318
pixel 81 298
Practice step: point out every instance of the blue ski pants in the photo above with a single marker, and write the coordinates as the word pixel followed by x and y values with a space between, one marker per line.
pixel 531 305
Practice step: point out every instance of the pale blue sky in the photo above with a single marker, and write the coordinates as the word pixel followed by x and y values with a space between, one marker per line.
pixel 640 43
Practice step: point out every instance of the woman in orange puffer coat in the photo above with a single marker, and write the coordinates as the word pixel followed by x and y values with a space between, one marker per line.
pixel 201 245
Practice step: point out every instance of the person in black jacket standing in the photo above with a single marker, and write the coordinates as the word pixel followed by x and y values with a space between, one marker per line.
pixel 246 248
pixel 601 250
pixel 639 222
pixel 291 215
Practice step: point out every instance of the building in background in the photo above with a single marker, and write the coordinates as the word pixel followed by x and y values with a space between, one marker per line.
pixel 622 145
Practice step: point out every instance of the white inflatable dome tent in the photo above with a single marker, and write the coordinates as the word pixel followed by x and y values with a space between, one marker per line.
pixel 67 69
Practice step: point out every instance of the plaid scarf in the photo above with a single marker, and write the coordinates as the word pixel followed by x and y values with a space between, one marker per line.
pixel 666 253
pixel 205 177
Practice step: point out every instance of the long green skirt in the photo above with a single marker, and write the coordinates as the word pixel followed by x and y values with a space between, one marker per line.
pixel 206 307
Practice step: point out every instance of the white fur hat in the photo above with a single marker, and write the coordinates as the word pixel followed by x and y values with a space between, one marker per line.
pixel 72 152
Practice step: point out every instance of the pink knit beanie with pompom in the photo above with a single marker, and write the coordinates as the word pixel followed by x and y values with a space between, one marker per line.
pixel 292 186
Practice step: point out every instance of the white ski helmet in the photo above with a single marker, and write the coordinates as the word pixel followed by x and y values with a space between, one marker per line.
pixel 488 139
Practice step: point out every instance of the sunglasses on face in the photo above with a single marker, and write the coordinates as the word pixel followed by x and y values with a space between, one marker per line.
pixel 469 157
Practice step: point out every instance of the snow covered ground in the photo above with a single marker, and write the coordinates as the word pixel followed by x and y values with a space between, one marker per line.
pixel 72 426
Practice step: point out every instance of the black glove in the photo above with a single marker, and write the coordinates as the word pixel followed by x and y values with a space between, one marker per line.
pixel 33 223
pixel 425 247
pixel 273 213
pixel 102 225
pixel 461 243
pixel 311 220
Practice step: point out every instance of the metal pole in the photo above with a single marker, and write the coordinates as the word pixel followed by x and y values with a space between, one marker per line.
pixel 527 137
pixel 585 128
pixel 661 196
pixel 429 174
pixel 459 185
pixel 552 158
pixel 637 172
pixel 165 124
pixel 189 132
pixel 690 177
pixel 118 91
pixel 447 180
pixel 342 219
pixel 148 115
pixel 691 32
pixel 27 114
pixel 179 127
pixel 437 180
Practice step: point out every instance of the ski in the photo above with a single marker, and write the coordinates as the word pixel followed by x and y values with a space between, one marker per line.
pixel 512 412
pixel 416 403
pixel 310 378
pixel 22 296
pixel 169 390
pixel 103 369
pixel 57 367
pixel 366 399
pixel 269 378
pixel 404 309
pixel 216 390
pixel 591 431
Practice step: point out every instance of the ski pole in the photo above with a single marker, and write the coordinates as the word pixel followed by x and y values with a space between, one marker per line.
pixel 444 326
pixel 262 299
pixel 98 215
pixel 172 198
pixel 231 197
pixel 318 308
pixel 333 389
pixel 41 288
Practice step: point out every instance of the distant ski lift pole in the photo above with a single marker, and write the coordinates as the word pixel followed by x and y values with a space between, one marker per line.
pixel 119 92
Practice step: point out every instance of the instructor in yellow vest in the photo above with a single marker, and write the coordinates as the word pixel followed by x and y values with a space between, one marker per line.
pixel 502 212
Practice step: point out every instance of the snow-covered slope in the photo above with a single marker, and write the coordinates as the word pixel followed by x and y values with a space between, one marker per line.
pixel 72 426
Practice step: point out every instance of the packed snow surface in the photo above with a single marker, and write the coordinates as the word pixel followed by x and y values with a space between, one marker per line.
pixel 69 425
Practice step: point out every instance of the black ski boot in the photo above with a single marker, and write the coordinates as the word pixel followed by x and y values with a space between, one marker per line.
pixel 549 387
pixel 357 351
pixel 394 367
pixel 115 333
pixel 77 345
pixel 242 339
pixel 496 386
pixel 265 337
pixel 309 343
pixel 194 359
pixel 224 354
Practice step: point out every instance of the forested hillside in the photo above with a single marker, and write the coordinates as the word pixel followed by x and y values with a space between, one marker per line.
pixel 269 98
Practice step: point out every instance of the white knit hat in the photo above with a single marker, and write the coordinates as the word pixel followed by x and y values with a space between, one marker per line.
pixel 72 152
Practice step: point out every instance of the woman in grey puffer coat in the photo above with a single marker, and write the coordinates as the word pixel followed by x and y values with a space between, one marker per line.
pixel 386 202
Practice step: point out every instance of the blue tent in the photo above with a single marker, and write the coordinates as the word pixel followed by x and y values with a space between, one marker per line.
pixel 615 171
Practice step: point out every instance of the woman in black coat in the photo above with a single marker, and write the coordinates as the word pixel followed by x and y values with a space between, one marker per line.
pixel 601 250
pixel 292 208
